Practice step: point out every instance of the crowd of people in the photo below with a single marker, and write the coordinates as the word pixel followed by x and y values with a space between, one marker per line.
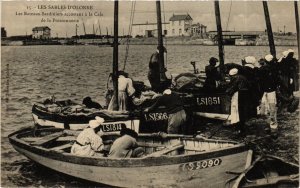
pixel 257 86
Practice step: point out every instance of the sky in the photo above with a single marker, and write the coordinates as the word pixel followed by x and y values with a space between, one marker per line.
pixel 235 15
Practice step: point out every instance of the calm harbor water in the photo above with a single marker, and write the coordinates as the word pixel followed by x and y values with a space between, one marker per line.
pixel 33 73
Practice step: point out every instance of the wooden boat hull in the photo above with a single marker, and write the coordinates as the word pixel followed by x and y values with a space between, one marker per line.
pixel 205 169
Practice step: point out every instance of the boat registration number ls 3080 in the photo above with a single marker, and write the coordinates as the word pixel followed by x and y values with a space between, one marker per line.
pixel 200 164
pixel 207 101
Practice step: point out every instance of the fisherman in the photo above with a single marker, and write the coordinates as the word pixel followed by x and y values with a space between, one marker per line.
pixel 212 75
pixel 268 76
pixel 154 70
pixel 89 142
pixel 125 90
pixel 250 72
pixel 126 146
pixel 174 108
pixel 87 101
pixel 238 89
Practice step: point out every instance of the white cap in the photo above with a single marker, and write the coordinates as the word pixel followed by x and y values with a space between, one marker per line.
pixel 167 92
pixel 233 71
pixel 269 58
pixel 250 59
pixel 96 122
pixel 285 53
pixel 291 51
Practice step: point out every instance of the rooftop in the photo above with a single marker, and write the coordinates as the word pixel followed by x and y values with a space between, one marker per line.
pixel 180 17
pixel 40 28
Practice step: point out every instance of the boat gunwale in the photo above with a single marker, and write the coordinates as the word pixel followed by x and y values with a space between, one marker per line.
pixel 124 162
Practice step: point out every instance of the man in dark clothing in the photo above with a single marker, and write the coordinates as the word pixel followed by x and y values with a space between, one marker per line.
pixel 238 89
pixel 250 72
pixel 212 74
pixel 154 71
pixel 268 79
pixel 288 69
pixel 174 108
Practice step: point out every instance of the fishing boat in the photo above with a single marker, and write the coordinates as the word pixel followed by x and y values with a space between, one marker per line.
pixel 171 160
pixel 269 171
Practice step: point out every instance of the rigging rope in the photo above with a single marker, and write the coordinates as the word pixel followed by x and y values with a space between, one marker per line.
pixel 129 32
pixel 228 15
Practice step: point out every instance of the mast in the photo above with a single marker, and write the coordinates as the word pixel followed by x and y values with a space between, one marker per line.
pixel 269 29
pixel 220 38
pixel 115 54
pixel 83 27
pixel 94 29
pixel 99 27
pixel 297 27
pixel 162 68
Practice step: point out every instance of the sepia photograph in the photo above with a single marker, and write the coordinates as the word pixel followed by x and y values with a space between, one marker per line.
pixel 153 93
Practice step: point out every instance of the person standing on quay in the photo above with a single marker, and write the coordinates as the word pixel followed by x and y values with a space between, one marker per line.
pixel 269 81
pixel 238 89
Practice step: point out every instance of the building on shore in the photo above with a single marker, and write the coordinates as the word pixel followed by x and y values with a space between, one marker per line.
pixel 41 32
pixel 3 32
pixel 178 25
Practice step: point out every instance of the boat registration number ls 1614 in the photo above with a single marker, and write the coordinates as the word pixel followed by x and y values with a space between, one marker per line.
pixel 200 164
pixel 207 101
pixel 112 127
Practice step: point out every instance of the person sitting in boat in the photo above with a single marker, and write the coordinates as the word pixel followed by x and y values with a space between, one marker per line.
pixel 174 108
pixel 269 80
pixel 87 101
pixel 212 75
pixel 154 71
pixel 125 90
pixel 238 89
pixel 126 146
pixel 88 142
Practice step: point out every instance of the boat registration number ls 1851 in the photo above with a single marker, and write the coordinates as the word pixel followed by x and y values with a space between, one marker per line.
pixel 207 101
pixel 200 164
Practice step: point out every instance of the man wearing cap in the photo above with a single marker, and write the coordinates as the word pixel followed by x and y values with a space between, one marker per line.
pixel 238 89
pixel 212 75
pixel 174 108
pixel 250 72
pixel 88 142
pixel 154 70
pixel 268 76
pixel 126 146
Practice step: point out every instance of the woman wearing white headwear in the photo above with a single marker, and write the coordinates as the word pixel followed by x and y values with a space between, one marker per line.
pixel 269 81
pixel 250 71
pixel 238 89
pixel 288 70
pixel 88 142
pixel 174 108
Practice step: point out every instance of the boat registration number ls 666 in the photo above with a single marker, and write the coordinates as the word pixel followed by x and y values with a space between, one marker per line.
pixel 200 164
pixel 207 101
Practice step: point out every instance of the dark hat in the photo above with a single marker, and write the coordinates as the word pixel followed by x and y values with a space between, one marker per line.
pixel 213 60
pixel 129 132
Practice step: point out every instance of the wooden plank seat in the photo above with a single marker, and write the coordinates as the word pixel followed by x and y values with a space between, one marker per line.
pixel 167 150
pixel 47 139
pixel 62 147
